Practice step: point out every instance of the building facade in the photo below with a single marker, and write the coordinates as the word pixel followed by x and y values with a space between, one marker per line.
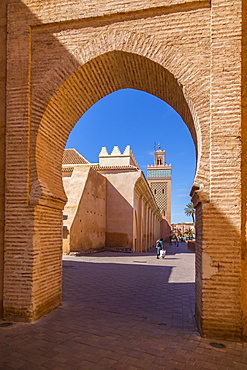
pixel 183 229
pixel 159 180
pixel 109 203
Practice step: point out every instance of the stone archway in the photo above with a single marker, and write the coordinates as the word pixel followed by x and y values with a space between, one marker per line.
pixel 93 80
pixel 69 59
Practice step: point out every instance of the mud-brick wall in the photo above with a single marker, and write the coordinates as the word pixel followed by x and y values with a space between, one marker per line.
pixel 119 208
pixel 2 136
pixel 89 224
pixel 221 229
pixel 3 64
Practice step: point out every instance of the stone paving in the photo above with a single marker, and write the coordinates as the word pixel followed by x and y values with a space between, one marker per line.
pixel 121 311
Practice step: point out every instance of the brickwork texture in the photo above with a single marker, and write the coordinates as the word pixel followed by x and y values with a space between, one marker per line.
pixel 60 58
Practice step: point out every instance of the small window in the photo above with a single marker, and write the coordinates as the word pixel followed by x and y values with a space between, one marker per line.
pixel 154 191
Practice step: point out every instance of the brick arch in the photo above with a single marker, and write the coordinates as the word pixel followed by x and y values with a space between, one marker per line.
pixel 92 81
pixel 141 44
pixel 200 44
pixel 70 88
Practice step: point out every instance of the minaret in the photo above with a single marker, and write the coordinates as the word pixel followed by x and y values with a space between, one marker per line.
pixel 159 179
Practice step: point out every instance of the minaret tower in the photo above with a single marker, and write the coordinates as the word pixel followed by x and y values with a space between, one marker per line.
pixel 159 179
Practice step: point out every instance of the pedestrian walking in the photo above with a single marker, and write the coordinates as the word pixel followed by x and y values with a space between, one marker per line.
pixel 176 241
pixel 159 246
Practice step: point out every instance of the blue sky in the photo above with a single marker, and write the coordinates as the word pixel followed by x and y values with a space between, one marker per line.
pixel 135 118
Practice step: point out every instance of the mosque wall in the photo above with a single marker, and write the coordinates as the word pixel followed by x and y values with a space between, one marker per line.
pixel 88 227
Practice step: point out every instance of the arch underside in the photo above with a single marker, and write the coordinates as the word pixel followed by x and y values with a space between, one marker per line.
pixel 95 79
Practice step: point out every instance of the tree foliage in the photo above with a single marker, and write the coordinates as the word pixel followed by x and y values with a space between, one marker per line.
pixel 190 210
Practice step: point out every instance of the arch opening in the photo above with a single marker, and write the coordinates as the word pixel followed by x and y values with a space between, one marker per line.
pixel 139 119
pixel 101 76
pixel 142 236
pixel 95 79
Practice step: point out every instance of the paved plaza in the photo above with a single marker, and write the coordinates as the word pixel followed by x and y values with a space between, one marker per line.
pixel 121 311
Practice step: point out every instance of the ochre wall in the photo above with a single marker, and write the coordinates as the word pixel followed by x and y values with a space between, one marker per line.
pixel 84 213
pixel 119 210
pixel 101 206
pixel 74 186
pixel 146 217
pixel 165 230
pixel 62 58
pixel 89 224
pixel 221 215
pixel 3 22
pixel 3 64
pixel 244 170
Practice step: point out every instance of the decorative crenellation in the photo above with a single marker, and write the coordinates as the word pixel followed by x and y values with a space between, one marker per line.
pixel 116 158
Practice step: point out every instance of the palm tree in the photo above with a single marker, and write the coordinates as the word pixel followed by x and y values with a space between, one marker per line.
pixel 190 210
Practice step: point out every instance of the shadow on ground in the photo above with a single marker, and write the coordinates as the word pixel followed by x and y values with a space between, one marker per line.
pixel 118 316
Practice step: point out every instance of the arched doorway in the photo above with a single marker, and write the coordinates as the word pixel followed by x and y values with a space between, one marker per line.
pixel 78 93
pixel 95 79
pixel 98 77
pixel 59 63
pixel 141 120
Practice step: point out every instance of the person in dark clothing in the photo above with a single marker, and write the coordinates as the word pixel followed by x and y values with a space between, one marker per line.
pixel 159 246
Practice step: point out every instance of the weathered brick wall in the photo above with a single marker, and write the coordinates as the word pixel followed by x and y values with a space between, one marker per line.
pixel 221 243
pixel 64 56
pixel 3 22
pixel 244 170
pixel 198 264
pixel 3 64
